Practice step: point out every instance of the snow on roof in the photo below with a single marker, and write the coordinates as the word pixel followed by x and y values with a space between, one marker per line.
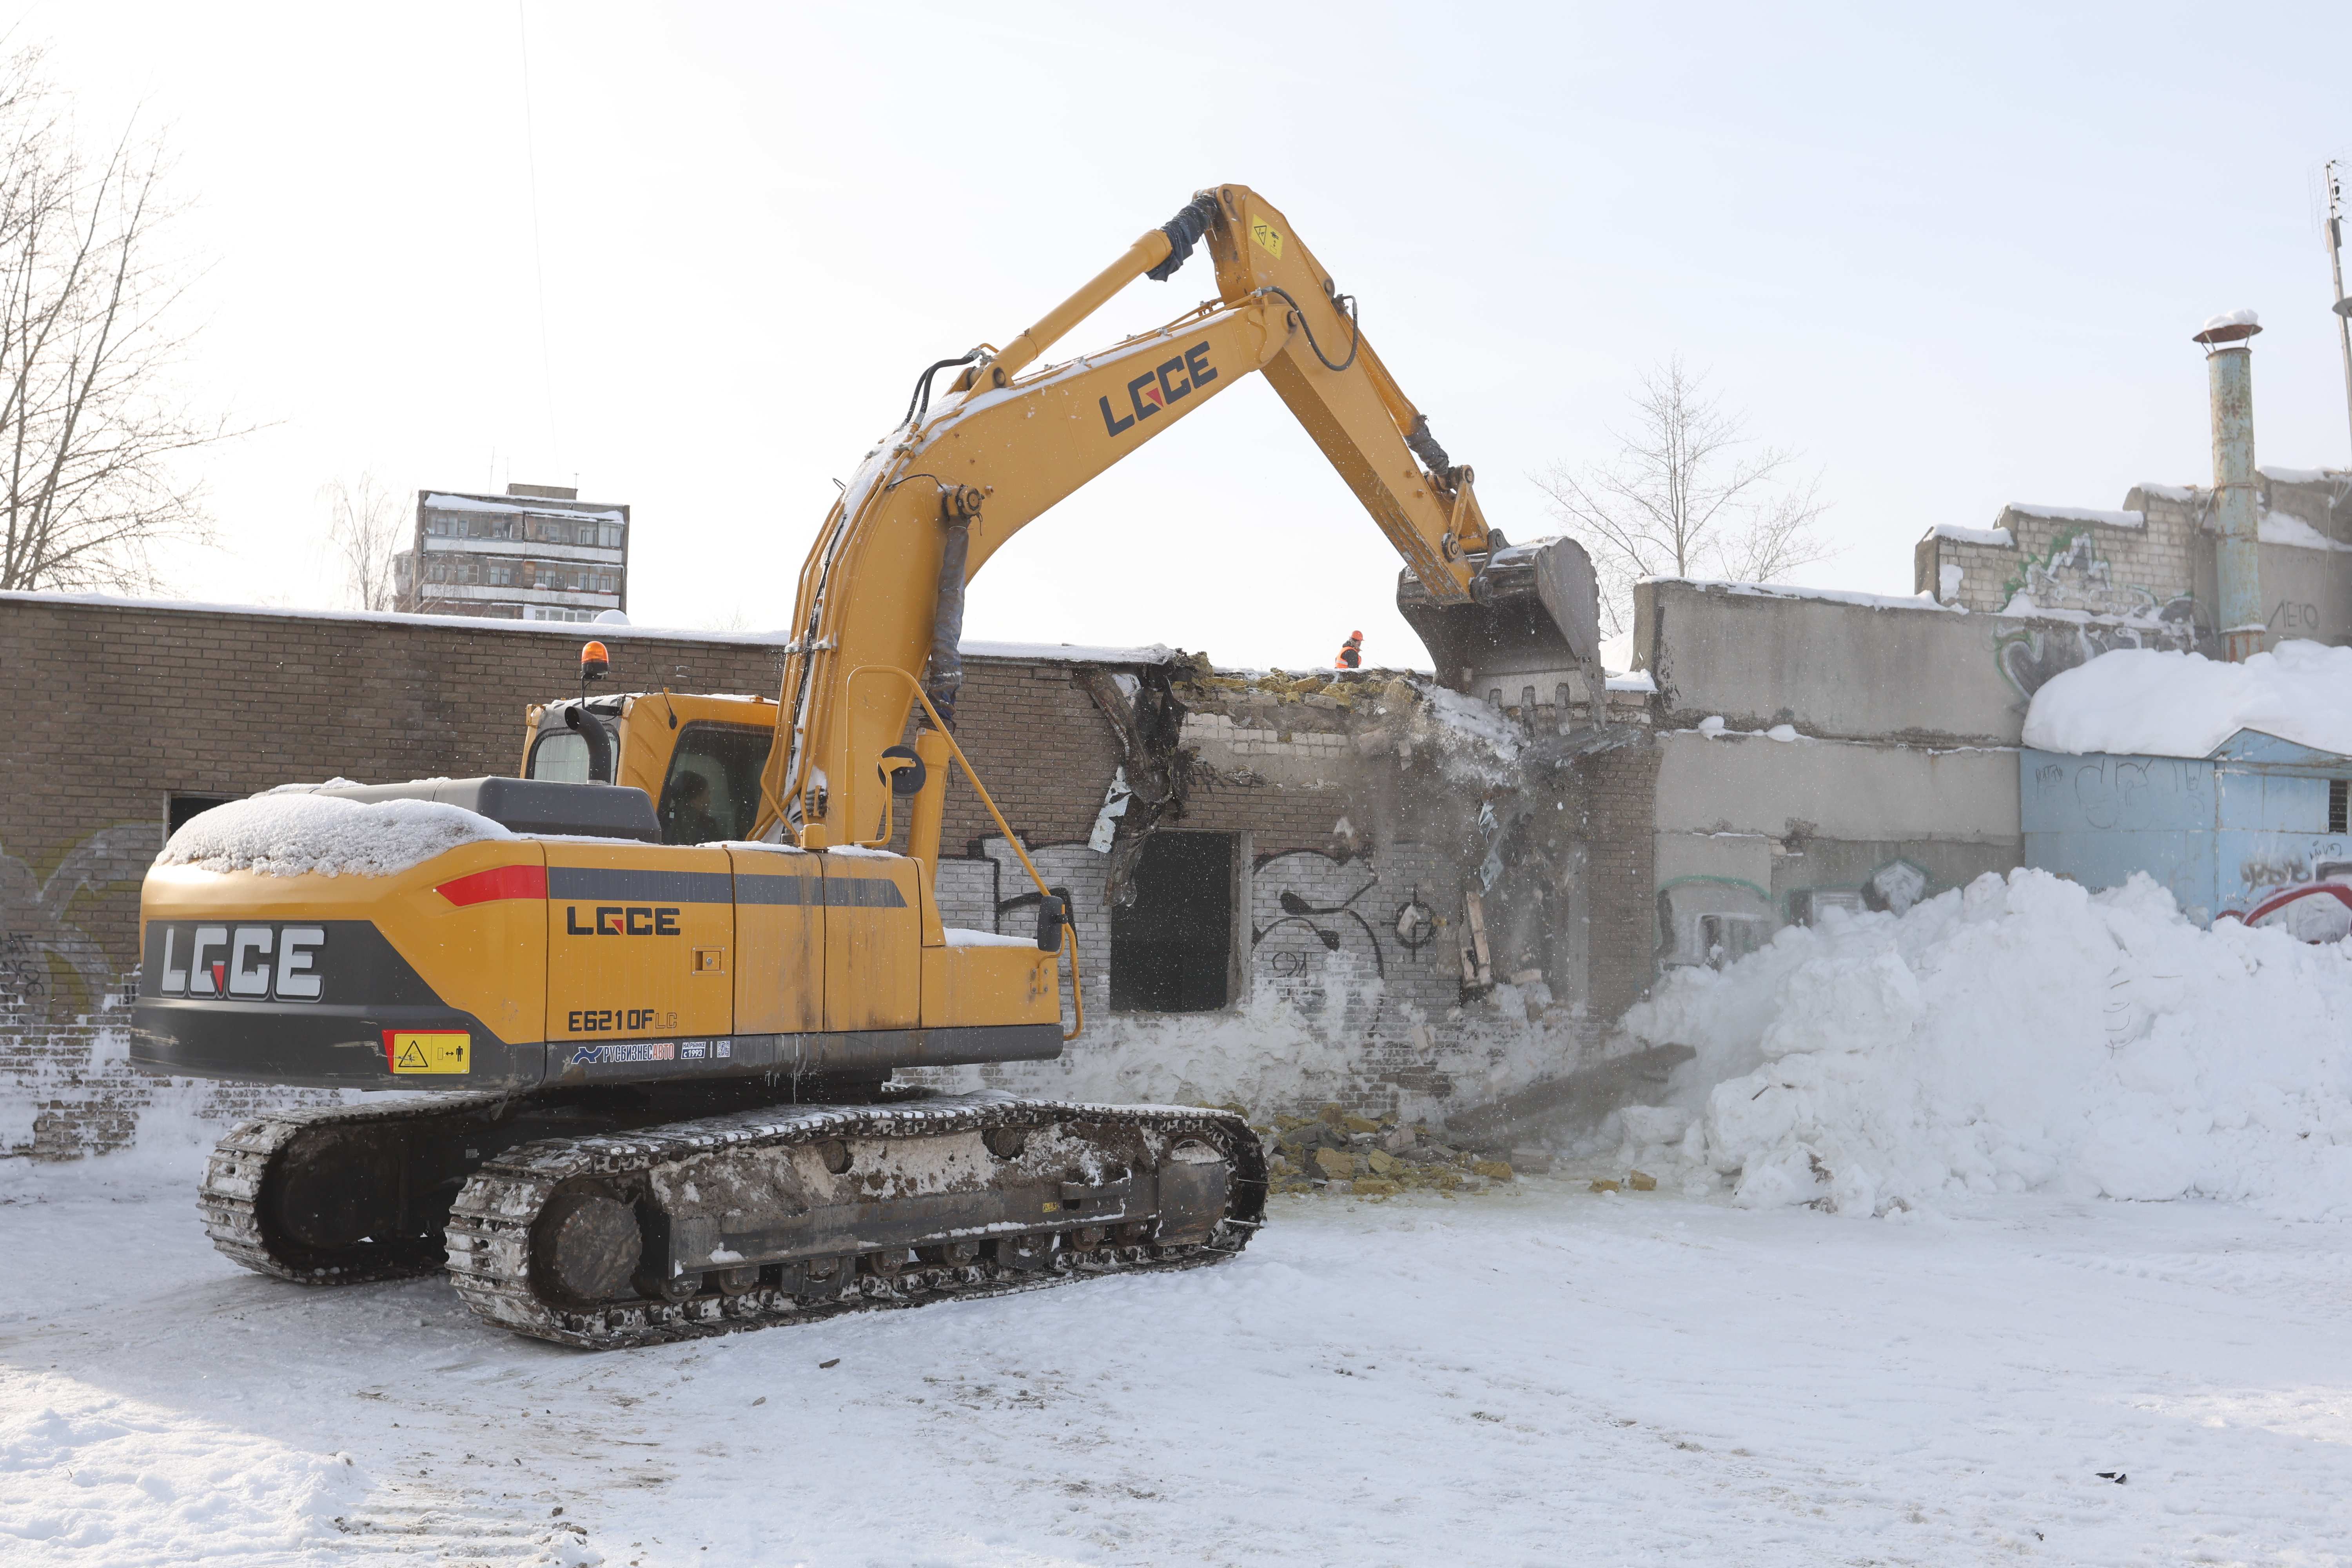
pixel 1999 537
pixel 440 500
pixel 2280 528
pixel 1071 653
pixel 2302 476
pixel 606 630
pixel 2140 703
pixel 295 833
pixel 2080 514
pixel 1831 595
pixel 2168 492
pixel 2238 318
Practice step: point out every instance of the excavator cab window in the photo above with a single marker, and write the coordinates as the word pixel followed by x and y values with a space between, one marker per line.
pixel 713 789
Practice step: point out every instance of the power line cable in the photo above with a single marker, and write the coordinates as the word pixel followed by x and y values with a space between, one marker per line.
pixel 537 251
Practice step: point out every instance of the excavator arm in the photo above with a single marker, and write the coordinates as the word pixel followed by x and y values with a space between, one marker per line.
pixel 880 596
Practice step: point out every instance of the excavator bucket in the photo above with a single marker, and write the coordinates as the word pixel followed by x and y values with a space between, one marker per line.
pixel 1533 622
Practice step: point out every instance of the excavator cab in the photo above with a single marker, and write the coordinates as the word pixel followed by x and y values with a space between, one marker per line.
pixel 696 758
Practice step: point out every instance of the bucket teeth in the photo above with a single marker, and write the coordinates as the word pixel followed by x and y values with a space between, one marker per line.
pixel 1534 616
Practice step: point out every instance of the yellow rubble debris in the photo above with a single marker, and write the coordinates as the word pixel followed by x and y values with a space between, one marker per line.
pixel 1337 1164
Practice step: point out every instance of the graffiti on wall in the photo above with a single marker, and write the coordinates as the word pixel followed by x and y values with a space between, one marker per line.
pixel 1318 925
pixel 2074 578
pixel 48 964
pixel 1307 907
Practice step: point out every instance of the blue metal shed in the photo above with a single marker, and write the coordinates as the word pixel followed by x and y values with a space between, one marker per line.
pixel 2255 830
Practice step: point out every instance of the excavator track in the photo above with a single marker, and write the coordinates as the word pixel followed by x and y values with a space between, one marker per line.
pixel 247 1164
pixel 891 1209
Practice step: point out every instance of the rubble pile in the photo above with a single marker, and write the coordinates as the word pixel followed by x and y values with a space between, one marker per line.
pixel 1336 1151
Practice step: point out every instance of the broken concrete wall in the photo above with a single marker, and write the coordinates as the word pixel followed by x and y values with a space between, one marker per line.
pixel 1364 809
pixel 1821 751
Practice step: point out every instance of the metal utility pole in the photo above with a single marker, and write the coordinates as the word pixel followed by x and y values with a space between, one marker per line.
pixel 2343 307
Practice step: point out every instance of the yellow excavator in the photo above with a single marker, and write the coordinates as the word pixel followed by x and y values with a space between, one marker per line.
pixel 673 965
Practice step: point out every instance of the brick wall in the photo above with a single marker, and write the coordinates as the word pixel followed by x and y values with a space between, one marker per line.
pixel 129 703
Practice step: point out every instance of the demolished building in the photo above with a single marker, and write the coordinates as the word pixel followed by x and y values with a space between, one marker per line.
pixel 1403 895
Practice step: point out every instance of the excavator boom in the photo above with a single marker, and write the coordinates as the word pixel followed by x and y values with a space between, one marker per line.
pixel 882 591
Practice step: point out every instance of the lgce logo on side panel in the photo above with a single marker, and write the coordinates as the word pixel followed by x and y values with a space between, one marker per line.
pixel 243 963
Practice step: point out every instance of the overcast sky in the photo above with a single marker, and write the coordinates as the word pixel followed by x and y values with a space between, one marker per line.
pixel 1954 257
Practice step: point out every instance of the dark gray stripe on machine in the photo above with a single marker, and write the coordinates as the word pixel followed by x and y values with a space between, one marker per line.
pixel 606 882
pixel 840 892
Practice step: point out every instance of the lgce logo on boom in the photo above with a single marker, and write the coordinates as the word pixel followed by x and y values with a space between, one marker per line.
pixel 1151 393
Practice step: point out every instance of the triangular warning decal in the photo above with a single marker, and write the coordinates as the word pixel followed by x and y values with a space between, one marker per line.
pixel 412 1058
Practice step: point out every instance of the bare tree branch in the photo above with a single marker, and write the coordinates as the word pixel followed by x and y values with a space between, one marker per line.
pixel 92 426
pixel 1681 499
pixel 367 527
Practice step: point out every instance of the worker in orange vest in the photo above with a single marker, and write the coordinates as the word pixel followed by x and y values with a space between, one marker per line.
pixel 1352 652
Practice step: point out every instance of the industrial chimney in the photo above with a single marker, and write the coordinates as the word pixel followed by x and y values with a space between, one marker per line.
pixel 2237 558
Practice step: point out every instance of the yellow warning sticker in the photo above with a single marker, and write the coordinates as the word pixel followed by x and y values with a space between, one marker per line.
pixel 1266 235
pixel 411 1050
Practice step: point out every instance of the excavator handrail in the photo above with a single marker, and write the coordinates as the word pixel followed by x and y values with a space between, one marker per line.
pixel 1077 992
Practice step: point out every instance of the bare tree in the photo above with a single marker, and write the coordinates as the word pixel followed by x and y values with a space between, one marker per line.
pixel 367 528
pixel 1687 494
pixel 91 427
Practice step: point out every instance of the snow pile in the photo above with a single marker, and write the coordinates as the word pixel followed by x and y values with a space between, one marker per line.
pixel 1276 1053
pixel 295 835
pixel 2019 1034
pixel 2142 702
pixel 148 1483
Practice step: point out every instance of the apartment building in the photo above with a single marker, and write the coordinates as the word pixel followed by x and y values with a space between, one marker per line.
pixel 536 553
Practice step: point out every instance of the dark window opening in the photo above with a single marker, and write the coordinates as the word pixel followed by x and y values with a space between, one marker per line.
pixel 2335 804
pixel 182 809
pixel 1172 950
pixel 713 789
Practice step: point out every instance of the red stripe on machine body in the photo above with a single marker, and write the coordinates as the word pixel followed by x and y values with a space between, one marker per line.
pixel 498 882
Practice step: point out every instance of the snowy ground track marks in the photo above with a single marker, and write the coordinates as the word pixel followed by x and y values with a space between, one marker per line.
pixel 490 1227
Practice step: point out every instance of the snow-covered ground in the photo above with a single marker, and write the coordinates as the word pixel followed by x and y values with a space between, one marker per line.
pixel 1540 1376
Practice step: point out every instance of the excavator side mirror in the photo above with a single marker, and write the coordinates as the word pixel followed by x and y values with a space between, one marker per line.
pixel 1051 914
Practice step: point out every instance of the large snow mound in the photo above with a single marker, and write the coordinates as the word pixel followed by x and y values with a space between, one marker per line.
pixel 297 835
pixel 2141 702
pixel 2015 1034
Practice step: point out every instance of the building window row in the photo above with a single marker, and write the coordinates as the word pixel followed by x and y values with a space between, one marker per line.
pixel 490 572
pixel 540 530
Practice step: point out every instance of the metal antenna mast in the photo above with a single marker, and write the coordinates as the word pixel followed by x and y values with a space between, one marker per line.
pixel 2343 307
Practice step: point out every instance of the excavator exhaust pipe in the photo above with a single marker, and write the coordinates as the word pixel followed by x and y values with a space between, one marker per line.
pixel 1533 622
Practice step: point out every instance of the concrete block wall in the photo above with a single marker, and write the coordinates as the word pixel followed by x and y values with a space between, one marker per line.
pixel 2144 576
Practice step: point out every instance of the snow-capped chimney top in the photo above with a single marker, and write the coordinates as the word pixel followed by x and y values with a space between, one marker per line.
pixel 2231 327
